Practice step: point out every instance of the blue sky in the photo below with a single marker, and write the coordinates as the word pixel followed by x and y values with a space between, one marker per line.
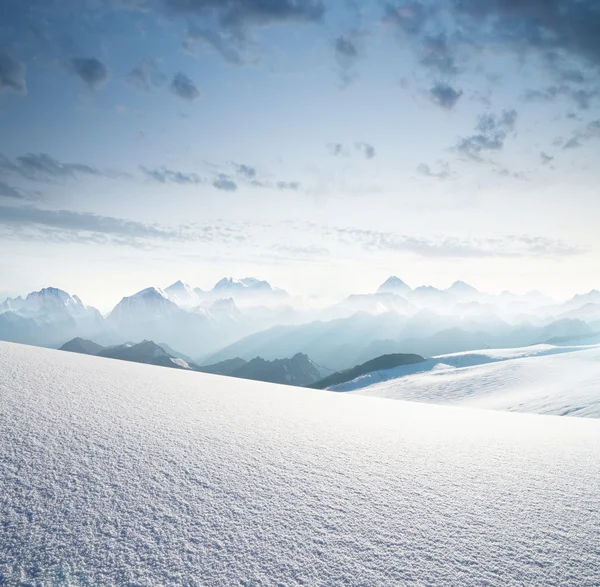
pixel 319 145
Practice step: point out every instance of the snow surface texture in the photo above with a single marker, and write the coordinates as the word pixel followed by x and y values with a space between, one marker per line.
pixel 542 379
pixel 129 474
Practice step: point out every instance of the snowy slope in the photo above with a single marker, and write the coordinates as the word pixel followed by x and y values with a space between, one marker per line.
pixel 542 379
pixel 116 473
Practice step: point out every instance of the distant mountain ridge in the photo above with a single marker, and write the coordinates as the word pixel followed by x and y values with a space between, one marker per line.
pixel 378 364
pixel 299 370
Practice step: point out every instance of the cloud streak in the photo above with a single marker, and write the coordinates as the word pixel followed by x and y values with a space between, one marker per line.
pixel 512 246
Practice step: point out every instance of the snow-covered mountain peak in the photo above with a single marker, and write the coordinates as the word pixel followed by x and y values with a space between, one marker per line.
pixel 462 286
pixel 182 294
pixel 148 303
pixel 232 283
pixel 394 285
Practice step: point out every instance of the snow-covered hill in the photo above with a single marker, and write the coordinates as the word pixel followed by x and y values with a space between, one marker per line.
pixel 116 473
pixel 544 379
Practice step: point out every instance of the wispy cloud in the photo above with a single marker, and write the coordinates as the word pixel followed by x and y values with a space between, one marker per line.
pixel 43 167
pixel 67 226
pixel 340 150
pixel 164 175
pixel 146 76
pixel 453 247
pixel 12 75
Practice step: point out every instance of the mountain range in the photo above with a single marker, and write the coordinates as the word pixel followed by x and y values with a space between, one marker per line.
pixel 299 370
pixel 248 318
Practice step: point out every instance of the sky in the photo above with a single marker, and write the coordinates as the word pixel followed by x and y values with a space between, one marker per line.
pixel 320 145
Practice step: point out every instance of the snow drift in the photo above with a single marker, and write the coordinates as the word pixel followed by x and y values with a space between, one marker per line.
pixel 121 473
pixel 543 379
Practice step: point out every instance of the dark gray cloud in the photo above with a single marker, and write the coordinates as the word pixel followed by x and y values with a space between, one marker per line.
pixel 546 158
pixel 225 183
pixel 164 175
pixel 511 246
pixel 366 149
pixel 12 75
pixel 239 14
pixel 560 35
pixel 146 76
pixel 91 70
pixel 8 191
pixel 43 167
pixel 184 87
pixel 542 26
pixel 444 95
pixel 425 170
pixel 491 134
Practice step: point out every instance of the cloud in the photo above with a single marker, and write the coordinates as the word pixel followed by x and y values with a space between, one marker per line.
pixel 7 191
pixel 491 135
pixel 337 150
pixel 164 175
pixel 239 14
pixel 41 167
pixel 444 95
pixel 227 25
pixel 348 49
pixel 437 55
pixel 543 27
pixel 64 226
pixel 425 170
pixel 288 185
pixel 546 158
pixel 581 97
pixel 92 71
pixel 146 76
pixel 12 75
pixel 225 183
pixel 366 149
pixel 184 87
pixel 583 135
pixel 510 246
pixel 224 177
pixel 245 171
pixel 229 46
pixel 341 150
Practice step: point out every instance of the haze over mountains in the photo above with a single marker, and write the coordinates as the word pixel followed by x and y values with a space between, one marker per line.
pixel 249 318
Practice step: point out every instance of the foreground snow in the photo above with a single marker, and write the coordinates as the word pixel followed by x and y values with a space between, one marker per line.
pixel 121 473
pixel 542 379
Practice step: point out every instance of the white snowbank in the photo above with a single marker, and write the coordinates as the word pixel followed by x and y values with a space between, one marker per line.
pixel 116 473
pixel 542 379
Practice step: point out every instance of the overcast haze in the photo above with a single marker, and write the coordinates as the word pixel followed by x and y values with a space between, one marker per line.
pixel 322 146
